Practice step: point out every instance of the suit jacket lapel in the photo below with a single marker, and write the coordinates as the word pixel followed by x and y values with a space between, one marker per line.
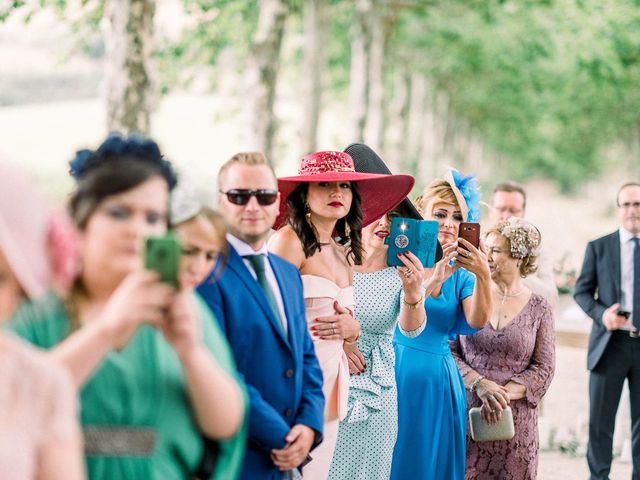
pixel 614 248
pixel 282 284
pixel 236 264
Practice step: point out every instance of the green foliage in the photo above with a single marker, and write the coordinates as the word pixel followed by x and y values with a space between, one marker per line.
pixel 547 84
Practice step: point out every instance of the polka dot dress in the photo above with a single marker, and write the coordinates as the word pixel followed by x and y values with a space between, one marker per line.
pixel 368 433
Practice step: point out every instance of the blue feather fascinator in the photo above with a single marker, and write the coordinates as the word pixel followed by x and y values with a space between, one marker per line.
pixel 467 191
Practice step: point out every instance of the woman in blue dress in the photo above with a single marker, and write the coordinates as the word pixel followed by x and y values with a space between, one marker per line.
pixel 431 393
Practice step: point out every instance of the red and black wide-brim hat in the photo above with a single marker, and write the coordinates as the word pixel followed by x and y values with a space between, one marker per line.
pixel 379 193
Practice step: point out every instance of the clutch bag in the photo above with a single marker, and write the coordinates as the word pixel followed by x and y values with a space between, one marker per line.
pixel 482 431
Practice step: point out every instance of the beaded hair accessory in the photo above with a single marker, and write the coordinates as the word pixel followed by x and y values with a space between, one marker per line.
pixel 116 146
pixel 523 236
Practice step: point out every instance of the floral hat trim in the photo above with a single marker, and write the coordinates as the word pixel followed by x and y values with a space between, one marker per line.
pixel 328 161
pixel 523 236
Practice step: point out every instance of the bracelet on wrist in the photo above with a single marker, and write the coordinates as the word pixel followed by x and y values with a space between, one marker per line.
pixel 354 341
pixel 475 383
pixel 413 306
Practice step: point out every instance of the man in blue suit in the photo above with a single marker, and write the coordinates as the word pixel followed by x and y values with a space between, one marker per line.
pixel 608 290
pixel 259 304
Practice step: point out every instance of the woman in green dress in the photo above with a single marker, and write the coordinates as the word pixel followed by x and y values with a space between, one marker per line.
pixel 154 372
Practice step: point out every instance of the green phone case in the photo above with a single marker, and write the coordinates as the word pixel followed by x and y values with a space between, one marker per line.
pixel 162 255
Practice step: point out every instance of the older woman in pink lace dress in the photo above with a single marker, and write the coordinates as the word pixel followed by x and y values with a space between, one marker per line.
pixel 512 359
pixel 39 433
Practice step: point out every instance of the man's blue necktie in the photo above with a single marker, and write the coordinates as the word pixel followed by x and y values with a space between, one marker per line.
pixel 636 283
pixel 257 262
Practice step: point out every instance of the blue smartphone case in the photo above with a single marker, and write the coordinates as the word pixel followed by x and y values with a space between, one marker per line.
pixel 418 236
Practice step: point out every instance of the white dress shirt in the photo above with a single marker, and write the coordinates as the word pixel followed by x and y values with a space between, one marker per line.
pixel 245 249
pixel 626 274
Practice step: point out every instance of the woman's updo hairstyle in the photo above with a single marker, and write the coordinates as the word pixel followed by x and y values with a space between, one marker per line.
pixel 118 165
pixel 523 239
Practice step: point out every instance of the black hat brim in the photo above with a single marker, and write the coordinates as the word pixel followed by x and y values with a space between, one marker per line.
pixel 366 160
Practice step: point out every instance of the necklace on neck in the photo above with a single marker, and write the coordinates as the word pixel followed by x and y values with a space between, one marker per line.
pixel 501 313
pixel 506 295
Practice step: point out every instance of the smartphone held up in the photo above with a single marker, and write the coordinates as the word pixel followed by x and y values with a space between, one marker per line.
pixel 470 231
pixel 162 255
pixel 418 236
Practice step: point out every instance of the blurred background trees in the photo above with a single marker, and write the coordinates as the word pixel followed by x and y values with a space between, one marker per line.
pixel 514 89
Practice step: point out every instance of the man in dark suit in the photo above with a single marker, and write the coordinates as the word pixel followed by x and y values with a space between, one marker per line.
pixel 259 304
pixel 608 290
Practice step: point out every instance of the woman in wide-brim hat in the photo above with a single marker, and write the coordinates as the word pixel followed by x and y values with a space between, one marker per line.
pixel 384 295
pixel 325 208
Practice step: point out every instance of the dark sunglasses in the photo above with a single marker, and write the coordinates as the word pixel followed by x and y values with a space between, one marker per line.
pixel 241 196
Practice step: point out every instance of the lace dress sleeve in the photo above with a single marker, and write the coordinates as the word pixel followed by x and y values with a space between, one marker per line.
pixel 458 355
pixel 537 376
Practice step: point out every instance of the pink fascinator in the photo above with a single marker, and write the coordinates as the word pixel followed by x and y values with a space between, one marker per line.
pixel 39 247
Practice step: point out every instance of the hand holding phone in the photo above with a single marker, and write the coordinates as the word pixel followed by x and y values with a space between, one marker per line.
pixel 470 231
pixel 162 255
pixel 418 236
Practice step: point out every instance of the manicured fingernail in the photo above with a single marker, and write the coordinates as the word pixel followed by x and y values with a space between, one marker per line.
pixel 315 334
pixel 399 254
pixel 407 252
pixel 312 328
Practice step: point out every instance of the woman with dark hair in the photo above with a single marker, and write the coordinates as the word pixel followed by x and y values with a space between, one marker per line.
pixel 512 359
pixel 153 381
pixel 39 432
pixel 325 208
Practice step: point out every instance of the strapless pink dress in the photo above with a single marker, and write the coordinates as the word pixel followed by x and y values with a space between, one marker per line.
pixel 319 295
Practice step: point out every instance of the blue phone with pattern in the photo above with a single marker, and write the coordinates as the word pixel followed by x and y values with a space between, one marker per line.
pixel 420 237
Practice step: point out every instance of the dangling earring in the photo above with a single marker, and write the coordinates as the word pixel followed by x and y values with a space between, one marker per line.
pixel 347 230
pixel 307 214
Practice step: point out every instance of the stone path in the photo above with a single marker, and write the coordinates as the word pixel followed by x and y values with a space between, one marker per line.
pixel 557 466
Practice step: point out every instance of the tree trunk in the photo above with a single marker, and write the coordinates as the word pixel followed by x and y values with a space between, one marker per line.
pixel 359 75
pixel 416 122
pixel 262 75
pixel 129 46
pixel 315 34
pixel 428 166
pixel 441 115
pixel 375 115
pixel 398 131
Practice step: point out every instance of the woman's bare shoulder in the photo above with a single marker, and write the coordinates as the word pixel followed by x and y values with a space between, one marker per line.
pixel 285 243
